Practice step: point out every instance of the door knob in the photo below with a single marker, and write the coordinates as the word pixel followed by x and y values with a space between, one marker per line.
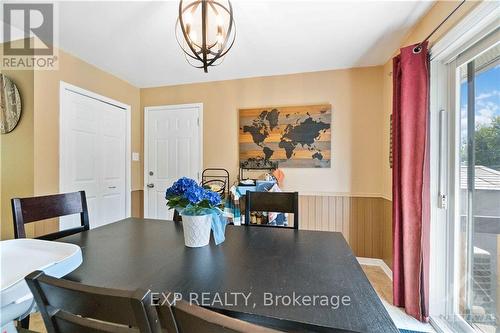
pixel 151 185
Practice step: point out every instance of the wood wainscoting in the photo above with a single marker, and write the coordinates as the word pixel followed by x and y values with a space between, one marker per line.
pixel 137 203
pixel 365 222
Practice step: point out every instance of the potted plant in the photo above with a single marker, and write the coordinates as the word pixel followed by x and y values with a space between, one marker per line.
pixel 199 208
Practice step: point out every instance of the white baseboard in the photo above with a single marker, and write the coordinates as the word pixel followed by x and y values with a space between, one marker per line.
pixel 376 262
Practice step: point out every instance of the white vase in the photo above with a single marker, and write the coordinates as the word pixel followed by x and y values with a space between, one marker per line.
pixel 196 230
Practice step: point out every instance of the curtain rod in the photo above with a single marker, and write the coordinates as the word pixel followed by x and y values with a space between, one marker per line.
pixel 418 48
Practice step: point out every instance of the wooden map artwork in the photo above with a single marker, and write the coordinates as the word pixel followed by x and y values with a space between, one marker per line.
pixel 294 136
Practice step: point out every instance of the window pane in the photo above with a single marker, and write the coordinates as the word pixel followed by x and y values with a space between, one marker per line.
pixel 478 255
pixel 463 247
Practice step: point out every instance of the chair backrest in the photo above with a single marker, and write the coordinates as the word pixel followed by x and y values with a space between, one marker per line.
pixel 216 176
pixel 71 307
pixel 28 210
pixel 280 202
pixel 190 318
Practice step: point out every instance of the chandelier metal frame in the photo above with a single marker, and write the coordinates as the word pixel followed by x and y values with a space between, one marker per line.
pixel 206 54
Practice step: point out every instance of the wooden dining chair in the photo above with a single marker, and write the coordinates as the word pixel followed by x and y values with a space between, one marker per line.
pixel 190 318
pixel 280 202
pixel 71 307
pixel 28 210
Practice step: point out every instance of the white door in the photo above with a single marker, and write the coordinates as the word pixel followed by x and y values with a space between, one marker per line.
pixel 172 150
pixel 93 156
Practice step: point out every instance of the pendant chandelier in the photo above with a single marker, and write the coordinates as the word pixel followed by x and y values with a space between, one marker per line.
pixel 205 31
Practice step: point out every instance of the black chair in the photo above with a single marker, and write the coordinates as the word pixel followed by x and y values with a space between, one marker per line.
pixel 71 307
pixel 280 202
pixel 190 318
pixel 28 210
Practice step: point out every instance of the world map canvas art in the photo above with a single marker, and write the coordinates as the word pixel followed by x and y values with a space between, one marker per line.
pixel 294 136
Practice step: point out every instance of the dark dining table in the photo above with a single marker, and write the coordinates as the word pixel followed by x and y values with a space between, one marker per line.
pixel 293 280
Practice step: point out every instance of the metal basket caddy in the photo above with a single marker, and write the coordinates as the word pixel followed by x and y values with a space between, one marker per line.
pixel 217 179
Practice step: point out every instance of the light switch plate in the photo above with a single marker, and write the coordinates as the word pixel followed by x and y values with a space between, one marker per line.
pixel 135 157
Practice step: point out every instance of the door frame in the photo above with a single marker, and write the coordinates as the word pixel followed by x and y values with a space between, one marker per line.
pixel 63 87
pixel 443 154
pixel 199 107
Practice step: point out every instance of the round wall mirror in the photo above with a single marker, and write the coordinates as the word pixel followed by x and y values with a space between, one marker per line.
pixel 10 106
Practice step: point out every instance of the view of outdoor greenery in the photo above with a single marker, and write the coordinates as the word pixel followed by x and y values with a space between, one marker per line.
pixel 487 139
pixel 487 118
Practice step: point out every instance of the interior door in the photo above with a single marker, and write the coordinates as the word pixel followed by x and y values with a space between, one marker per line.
pixel 113 149
pixel 93 157
pixel 172 151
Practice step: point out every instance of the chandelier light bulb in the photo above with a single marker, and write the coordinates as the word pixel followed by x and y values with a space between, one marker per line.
pixel 219 20
pixel 193 37
pixel 220 38
pixel 188 18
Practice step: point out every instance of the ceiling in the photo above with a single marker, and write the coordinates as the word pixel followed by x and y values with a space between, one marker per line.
pixel 136 40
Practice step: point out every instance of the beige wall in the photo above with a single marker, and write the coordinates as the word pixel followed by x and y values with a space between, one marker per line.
pixel 345 197
pixel 361 99
pixel 79 73
pixel 46 123
pixel 16 155
pixel 356 99
pixel 34 167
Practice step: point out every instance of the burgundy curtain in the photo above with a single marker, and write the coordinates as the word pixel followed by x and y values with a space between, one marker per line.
pixel 410 188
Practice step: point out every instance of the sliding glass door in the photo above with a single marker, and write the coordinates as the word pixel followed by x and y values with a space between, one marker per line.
pixel 476 218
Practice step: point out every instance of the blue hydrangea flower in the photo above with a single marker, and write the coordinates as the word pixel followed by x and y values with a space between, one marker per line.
pixel 171 191
pixel 212 197
pixel 186 194
pixel 184 184
pixel 194 194
pixel 180 187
